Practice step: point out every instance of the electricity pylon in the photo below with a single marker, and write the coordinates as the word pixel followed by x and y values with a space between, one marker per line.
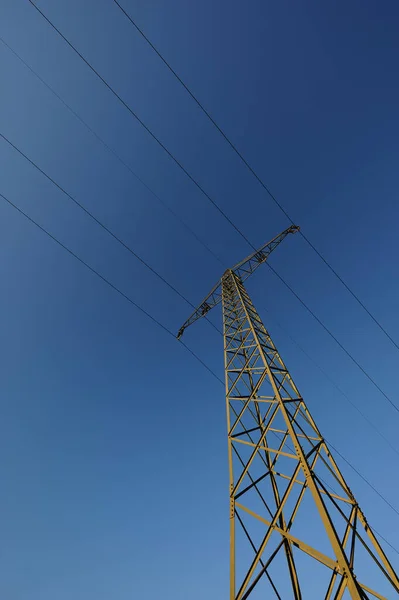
pixel 286 489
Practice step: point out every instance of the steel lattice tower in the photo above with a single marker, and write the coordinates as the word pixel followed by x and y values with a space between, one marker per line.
pixel 285 486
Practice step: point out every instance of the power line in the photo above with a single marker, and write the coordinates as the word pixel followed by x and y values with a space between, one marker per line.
pixel 148 314
pixel 111 285
pixel 331 380
pixel 154 137
pixel 98 222
pixel 363 477
pixel 191 231
pixel 112 151
pixel 385 539
pixel 179 164
pixel 351 292
pixel 257 177
pixel 335 339
pixel 88 213
pixel 166 329
pixel 227 219
pixel 201 189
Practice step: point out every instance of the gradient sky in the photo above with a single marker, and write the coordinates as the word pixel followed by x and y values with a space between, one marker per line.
pixel 113 438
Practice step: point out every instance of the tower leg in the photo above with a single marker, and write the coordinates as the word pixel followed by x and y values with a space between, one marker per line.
pixel 263 404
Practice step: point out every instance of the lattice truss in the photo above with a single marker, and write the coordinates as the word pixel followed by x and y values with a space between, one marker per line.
pixel 288 498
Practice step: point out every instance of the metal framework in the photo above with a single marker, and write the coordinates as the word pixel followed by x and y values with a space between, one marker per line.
pixel 288 498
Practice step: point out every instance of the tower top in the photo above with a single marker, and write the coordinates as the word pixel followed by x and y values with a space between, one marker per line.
pixel 243 269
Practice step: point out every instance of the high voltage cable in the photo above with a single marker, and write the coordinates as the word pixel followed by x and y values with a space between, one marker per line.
pixel 104 227
pixel 100 139
pixel 363 477
pixel 140 259
pixel 385 539
pixel 135 116
pixel 194 234
pixel 111 285
pixel 198 186
pixel 168 152
pixel 166 329
pixel 331 380
pixel 190 230
pixel 257 177
pixel 335 339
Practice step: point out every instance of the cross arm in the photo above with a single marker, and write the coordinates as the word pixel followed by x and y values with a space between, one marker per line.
pixel 246 267
pixel 243 269
pixel 212 299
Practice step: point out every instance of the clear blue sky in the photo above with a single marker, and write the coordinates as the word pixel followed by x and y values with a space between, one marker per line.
pixel 113 438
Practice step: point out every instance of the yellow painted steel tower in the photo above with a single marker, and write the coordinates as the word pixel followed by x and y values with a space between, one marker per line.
pixel 290 506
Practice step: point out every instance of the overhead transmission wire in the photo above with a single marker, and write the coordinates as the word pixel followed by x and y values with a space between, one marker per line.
pixel 251 169
pixel 179 164
pixel 134 303
pixel 94 133
pixel 213 202
pixel 363 477
pixel 101 224
pixel 135 115
pixel 157 322
pixel 311 312
pixel 108 282
pixel 192 179
pixel 173 288
pixel 336 386
pixel 162 326
pixel 157 274
pixel 112 151
pixel 369 377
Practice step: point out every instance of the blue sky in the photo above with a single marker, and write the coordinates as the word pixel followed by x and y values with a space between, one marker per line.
pixel 113 438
